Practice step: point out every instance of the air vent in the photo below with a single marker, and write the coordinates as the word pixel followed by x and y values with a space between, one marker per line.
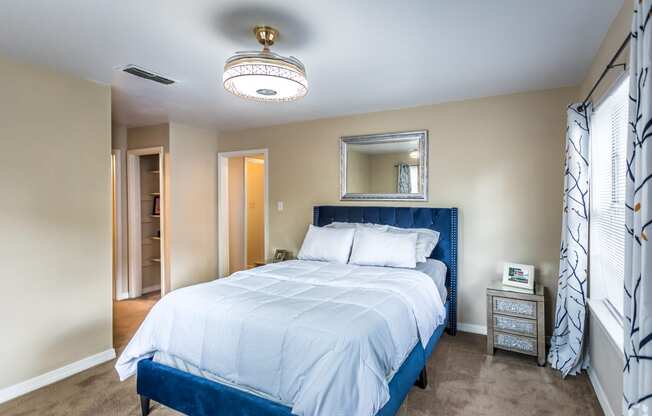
pixel 140 72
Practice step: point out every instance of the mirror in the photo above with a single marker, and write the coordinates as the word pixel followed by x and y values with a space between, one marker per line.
pixel 389 166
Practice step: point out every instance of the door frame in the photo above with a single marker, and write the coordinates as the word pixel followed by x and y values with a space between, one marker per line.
pixel 120 274
pixel 223 205
pixel 134 230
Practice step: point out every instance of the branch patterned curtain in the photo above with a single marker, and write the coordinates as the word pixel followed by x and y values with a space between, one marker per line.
pixel 567 343
pixel 403 185
pixel 637 373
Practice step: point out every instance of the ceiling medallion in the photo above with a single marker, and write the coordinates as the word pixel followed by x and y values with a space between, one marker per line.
pixel 265 75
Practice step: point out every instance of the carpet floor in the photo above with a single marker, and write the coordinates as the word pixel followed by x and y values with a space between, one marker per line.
pixel 463 380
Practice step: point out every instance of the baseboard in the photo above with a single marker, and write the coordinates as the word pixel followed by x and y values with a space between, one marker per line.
pixel 122 296
pixel 472 328
pixel 150 289
pixel 599 391
pixel 53 376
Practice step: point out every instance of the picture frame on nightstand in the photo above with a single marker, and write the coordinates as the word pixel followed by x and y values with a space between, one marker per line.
pixel 518 275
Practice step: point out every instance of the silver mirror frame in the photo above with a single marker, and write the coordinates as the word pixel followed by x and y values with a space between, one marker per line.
pixel 420 135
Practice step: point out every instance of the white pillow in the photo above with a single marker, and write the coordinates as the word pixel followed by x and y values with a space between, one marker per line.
pixel 338 224
pixel 380 248
pixel 327 244
pixel 426 242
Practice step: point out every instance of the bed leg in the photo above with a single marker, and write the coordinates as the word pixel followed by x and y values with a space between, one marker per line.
pixel 422 381
pixel 144 405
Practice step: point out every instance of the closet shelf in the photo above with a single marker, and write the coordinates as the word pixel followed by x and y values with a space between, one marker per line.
pixel 154 171
pixel 156 260
pixel 155 216
pixel 155 193
pixel 155 237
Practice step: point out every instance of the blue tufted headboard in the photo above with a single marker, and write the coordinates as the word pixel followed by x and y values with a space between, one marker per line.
pixel 443 220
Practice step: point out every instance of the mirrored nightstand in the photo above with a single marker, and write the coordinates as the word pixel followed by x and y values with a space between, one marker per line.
pixel 516 320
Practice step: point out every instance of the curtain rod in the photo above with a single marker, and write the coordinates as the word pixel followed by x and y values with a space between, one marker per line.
pixel 611 65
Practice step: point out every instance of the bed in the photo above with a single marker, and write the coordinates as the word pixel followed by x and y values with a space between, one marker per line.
pixel 176 385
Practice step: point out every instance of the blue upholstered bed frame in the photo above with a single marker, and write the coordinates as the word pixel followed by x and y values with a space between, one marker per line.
pixel 197 396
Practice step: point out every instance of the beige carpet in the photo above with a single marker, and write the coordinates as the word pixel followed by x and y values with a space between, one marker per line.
pixel 463 381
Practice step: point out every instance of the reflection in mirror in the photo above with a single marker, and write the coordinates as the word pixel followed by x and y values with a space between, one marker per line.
pixel 384 166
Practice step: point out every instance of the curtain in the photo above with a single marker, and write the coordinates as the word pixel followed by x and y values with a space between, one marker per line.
pixel 403 185
pixel 567 343
pixel 637 372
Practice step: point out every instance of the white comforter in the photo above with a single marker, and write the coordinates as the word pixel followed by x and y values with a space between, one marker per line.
pixel 323 338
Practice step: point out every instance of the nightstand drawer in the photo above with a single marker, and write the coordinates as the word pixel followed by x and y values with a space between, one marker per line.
pixel 515 325
pixel 515 343
pixel 515 307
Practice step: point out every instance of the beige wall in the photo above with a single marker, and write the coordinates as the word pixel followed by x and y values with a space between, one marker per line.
pixel 618 30
pixel 606 359
pixel 358 178
pixel 236 214
pixel 190 170
pixel 255 203
pixel 193 201
pixel 55 217
pixel 149 136
pixel 498 159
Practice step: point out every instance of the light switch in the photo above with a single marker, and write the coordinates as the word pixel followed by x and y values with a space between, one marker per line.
pixel 279 205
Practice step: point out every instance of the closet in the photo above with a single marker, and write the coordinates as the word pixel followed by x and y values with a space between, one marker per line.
pixel 146 213
pixel 150 219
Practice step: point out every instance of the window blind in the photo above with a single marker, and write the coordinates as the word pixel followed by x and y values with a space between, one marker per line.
pixel 607 222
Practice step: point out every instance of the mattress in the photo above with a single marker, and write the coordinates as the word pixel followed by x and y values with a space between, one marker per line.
pixel 324 338
pixel 164 358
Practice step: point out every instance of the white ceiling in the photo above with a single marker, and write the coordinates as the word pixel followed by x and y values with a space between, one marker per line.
pixel 360 56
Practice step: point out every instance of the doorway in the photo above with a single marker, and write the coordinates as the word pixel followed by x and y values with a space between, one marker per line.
pixel 146 222
pixel 140 261
pixel 243 210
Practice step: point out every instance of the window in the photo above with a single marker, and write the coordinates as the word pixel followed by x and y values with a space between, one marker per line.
pixel 414 179
pixel 607 226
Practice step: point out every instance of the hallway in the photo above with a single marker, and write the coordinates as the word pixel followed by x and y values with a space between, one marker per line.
pixel 128 315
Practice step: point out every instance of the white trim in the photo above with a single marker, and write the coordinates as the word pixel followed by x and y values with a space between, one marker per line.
pixel 121 274
pixel 150 289
pixel 222 203
pixel 472 328
pixel 134 227
pixel 134 232
pixel 53 376
pixel 163 221
pixel 609 322
pixel 122 296
pixel 146 151
pixel 599 391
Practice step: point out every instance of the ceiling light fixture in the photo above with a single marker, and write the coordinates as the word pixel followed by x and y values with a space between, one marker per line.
pixel 265 75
